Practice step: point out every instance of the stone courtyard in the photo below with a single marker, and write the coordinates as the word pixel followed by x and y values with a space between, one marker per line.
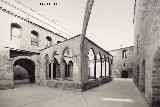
pixel 118 93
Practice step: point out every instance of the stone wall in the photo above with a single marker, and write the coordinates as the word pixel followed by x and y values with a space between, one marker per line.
pixel 120 64
pixel 80 80
pixel 57 50
pixel 20 47
pixel 24 42
pixel 6 75
pixel 146 51
pixel 96 50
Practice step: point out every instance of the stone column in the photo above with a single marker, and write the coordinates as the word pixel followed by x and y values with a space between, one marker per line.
pixel 109 67
pixel 105 67
pixel 62 70
pixel 52 69
pixel 101 67
pixel 95 68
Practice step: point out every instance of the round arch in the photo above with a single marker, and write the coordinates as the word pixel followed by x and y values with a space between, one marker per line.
pixel 25 66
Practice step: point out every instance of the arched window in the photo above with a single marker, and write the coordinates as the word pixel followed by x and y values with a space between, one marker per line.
pixel 48 41
pixel 67 68
pixel 124 54
pixel 98 66
pixel 34 38
pixel 70 70
pixel 15 30
pixel 91 64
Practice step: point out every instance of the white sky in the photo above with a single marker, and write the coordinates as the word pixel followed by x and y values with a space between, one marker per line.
pixel 111 22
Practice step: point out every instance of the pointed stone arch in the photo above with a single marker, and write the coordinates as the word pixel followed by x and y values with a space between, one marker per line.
pixel 56 69
pixel 91 64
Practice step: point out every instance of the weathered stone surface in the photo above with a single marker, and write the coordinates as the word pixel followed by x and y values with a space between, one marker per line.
pixel 120 64
pixel 146 51
pixel 19 50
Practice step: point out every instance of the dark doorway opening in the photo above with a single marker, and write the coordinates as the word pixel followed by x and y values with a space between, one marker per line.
pixel 23 71
pixel 56 69
pixel 70 69
pixel 124 74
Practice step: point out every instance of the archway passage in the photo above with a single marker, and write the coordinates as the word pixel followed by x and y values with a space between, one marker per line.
pixel 124 74
pixel 24 69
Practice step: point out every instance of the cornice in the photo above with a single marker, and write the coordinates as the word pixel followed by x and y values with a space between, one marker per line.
pixel 27 20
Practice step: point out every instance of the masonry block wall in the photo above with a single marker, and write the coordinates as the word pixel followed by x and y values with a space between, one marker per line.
pixel 24 42
pixel 49 58
pixel 6 75
pixel 57 51
pixel 21 46
pixel 123 61
pixel 147 44
pixel 80 78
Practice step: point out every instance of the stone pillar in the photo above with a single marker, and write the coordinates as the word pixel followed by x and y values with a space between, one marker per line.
pixel 101 67
pixel 105 68
pixel 6 69
pixel 95 69
pixel 52 69
pixel 109 67
pixel 62 70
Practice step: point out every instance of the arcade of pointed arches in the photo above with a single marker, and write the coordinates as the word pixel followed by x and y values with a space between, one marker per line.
pixel 56 70
pixel 99 66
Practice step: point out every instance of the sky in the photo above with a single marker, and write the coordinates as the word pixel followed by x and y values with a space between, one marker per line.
pixel 110 25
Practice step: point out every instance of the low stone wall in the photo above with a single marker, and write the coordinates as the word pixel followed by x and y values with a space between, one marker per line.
pixel 65 85
pixel 96 82
pixel 72 86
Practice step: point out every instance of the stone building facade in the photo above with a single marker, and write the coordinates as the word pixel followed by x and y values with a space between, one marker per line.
pixel 43 50
pixel 123 62
pixel 147 49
